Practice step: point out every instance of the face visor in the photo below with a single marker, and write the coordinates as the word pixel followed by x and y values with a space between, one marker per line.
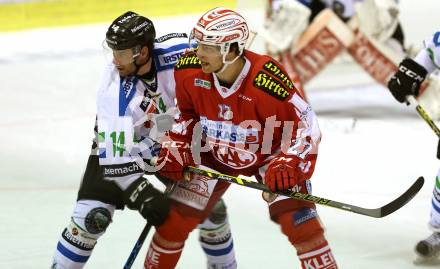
pixel 121 57
pixel 208 48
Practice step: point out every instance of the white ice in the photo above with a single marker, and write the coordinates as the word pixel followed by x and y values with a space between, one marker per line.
pixel 372 150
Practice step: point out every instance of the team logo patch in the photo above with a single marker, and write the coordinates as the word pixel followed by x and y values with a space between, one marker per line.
pixel 194 193
pixel 275 70
pixel 225 112
pixel 202 83
pixel 188 61
pixel 199 186
pixel 97 220
pixel 231 156
pixel 271 86
pixel 304 215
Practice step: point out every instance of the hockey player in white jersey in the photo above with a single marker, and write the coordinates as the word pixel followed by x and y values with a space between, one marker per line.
pixel 407 81
pixel 136 91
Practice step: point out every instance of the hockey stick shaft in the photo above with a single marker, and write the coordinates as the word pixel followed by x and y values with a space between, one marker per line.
pixel 138 245
pixel 423 114
pixel 376 213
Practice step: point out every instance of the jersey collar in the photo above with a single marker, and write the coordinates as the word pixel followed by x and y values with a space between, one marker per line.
pixel 226 92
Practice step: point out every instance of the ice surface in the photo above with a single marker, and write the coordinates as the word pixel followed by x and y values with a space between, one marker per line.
pixel 372 150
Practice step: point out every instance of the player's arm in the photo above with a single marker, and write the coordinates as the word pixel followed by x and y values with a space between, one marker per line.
pixel 412 72
pixel 383 24
pixel 286 21
pixel 176 153
pixel 429 57
pixel 299 147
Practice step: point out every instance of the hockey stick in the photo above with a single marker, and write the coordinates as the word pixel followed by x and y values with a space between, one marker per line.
pixel 422 113
pixel 137 246
pixel 143 235
pixel 376 212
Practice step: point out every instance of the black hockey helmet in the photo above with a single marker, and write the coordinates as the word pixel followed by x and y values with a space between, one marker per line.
pixel 130 30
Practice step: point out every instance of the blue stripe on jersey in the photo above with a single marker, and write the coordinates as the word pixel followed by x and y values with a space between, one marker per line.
pixel 166 58
pixel 436 39
pixel 127 89
pixel 305 2
pixel 219 252
pixel 436 208
pixel 71 255
pixel 102 153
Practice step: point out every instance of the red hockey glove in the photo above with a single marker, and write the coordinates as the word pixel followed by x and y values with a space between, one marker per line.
pixel 173 158
pixel 283 173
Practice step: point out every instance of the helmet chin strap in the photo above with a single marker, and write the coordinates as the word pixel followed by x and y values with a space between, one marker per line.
pixel 226 63
pixel 138 66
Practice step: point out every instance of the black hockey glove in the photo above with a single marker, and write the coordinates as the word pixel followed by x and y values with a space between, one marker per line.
pixel 407 80
pixel 152 204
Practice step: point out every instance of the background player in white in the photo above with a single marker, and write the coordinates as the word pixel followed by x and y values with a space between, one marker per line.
pixel 407 81
pixel 136 91
pixel 305 37
pixel 384 26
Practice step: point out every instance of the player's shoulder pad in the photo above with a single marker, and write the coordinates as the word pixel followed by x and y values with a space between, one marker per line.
pixel 273 79
pixel 188 61
pixel 168 49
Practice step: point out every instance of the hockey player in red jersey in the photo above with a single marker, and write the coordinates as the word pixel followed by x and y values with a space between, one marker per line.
pixel 250 120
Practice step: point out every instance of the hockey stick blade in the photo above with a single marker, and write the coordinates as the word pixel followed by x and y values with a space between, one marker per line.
pixel 402 200
pixel 375 212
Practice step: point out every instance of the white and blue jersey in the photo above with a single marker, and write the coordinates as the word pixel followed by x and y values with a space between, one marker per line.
pixel 429 57
pixel 125 107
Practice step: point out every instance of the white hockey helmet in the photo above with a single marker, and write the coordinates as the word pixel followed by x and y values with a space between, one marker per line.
pixel 221 27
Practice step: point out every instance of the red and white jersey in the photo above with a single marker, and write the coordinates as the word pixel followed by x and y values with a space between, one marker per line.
pixel 247 124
